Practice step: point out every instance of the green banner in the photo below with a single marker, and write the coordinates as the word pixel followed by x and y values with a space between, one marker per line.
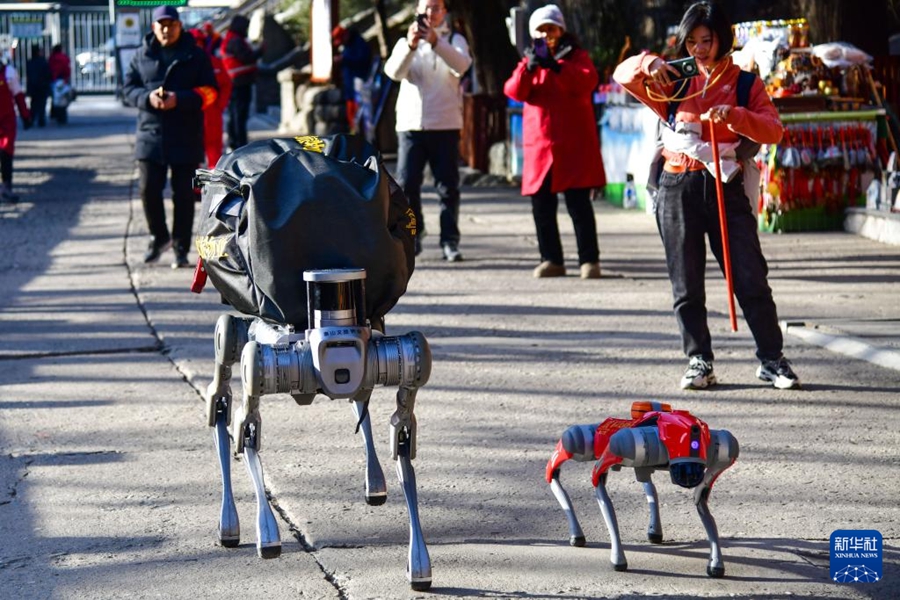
pixel 149 3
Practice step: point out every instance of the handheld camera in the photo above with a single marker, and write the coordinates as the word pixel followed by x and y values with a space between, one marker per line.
pixel 687 68
pixel 422 21
pixel 541 50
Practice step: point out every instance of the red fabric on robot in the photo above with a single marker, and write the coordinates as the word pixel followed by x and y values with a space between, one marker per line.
pixel 213 121
pixel 11 96
pixel 684 436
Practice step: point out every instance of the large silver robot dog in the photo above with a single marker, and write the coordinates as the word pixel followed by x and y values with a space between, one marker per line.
pixel 340 356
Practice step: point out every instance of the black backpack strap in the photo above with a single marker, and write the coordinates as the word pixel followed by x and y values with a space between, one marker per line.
pixel 747 148
pixel 745 83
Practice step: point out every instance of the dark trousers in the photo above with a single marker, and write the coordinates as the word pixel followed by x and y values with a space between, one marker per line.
pixel 440 150
pixel 152 185
pixel 6 168
pixel 686 213
pixel 238 114
pixel 39 109
pixel 544 205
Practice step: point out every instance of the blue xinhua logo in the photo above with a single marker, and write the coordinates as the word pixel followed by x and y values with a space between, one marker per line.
pixel 856 556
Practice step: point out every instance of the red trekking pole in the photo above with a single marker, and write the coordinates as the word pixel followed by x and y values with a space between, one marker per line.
pixel 723 225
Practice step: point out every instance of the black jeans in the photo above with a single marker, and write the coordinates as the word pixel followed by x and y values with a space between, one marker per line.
pixel 440 150
pixel 238 114
pixel 544 205
pixel 6 168
pixel 687 212
pixel 152 185
pixel 39 109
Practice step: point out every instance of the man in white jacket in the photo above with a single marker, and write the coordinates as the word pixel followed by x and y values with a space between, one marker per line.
pixel 429 63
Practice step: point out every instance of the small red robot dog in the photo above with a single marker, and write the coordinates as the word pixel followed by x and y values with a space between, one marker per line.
pixel 656 438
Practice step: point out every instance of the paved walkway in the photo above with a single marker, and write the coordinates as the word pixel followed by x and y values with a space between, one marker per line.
pixel 109 486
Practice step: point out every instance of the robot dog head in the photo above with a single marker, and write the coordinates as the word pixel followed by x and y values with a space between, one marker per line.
pixel 657 439
pixel 338 336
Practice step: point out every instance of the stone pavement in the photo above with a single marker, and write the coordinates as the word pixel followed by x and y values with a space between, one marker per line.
pixel 109 486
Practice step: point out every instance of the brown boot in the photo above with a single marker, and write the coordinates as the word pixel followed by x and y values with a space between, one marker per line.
pixel 549 269
pixel 590 270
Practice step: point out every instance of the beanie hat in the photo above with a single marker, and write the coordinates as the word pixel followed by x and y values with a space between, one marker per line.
pixel 544 15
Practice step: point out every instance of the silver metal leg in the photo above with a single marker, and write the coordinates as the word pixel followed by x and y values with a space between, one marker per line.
pixel 616 554
pixel 229 526
pixel 654 530
pixel 418 566
pixel 268 539
pixel 403 450
pixel 716 566
pixel 576 535
pixel 376 487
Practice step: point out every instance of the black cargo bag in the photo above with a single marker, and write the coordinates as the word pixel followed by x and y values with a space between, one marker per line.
pixel 275 208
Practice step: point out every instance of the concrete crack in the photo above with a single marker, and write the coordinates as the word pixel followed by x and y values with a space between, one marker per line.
pixel 329 575
pixel 13 489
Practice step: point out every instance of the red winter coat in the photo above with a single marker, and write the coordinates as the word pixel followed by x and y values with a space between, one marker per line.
pixel 212 115
pixel 559 128
pixel 60 66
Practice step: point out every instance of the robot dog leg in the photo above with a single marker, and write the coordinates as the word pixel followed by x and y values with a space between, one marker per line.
pixel 722 452
pixel 376 487
pixel 230 337
pixel 576 443
pixel 247 438
pixel 403 450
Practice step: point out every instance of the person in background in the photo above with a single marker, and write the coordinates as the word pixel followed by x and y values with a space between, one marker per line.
pixel 213 114
pixel 171 81
pixel 11 98
pixel 555 79
pixel 37 84
pixel 687 210
pixel 239 58
pixel 60 69
pixel 429 63
pixel 212 37
pixel 354 59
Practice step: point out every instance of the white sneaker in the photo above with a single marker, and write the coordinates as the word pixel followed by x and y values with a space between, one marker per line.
pixel 779 373
pixel 699 374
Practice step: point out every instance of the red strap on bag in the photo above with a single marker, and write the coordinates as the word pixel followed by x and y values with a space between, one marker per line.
pixel 200 277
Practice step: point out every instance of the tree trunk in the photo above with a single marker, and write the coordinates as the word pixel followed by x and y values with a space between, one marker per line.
pixel 384 41
pixel 484 25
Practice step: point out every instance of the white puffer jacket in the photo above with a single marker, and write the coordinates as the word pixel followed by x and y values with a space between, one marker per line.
pixel 430 97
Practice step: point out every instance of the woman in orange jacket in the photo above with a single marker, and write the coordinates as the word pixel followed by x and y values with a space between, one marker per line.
pixel 686 207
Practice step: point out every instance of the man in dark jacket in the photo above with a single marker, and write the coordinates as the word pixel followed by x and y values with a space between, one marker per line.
pixel 239 58
pixel 37 84
pixel 171 81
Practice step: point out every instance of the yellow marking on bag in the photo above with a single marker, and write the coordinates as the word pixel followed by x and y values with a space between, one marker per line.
pixel 313 143
pixel 411 224
pixel 211 247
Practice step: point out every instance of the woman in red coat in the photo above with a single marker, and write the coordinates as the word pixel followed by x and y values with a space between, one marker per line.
pixel 555 79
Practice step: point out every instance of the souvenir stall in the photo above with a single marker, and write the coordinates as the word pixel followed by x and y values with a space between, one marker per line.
pixel 834 135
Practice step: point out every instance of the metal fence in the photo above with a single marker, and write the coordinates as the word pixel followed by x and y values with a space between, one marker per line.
pixel 85 33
